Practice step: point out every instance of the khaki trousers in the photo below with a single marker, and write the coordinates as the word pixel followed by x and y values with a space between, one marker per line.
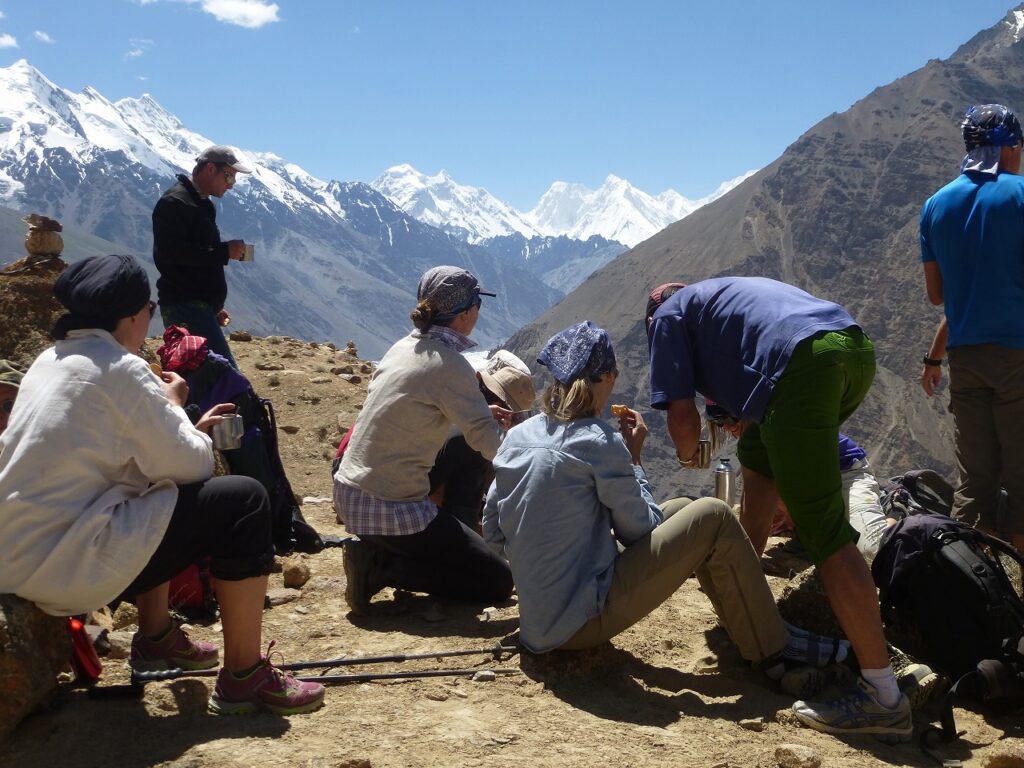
pixel 986 388
pixel 702 537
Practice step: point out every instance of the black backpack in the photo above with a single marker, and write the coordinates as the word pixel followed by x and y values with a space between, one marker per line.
pixel 947 597
pixel 215 381
pixel 918 492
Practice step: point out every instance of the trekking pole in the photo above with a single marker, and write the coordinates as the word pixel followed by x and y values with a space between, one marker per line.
pixel 173 674
pixel 400 675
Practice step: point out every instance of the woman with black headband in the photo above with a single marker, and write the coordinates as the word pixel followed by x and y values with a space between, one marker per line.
pixel 128 501
pixel 421 389
pixel 564 479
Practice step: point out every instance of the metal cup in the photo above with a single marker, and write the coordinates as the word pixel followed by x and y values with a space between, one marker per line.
pixel 704 454
pixel 227 434
pixel 248 254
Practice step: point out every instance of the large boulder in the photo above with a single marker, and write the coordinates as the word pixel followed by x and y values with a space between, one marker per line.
pixel 34 648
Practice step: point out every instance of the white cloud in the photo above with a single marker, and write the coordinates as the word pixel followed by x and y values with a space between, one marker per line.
pixel 8 41
pixel 251 14
pixel 42 37
pixel 138 47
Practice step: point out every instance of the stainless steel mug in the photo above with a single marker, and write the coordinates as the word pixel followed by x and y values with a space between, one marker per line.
pixel 725 482
pixel 227 434
pixel 704 454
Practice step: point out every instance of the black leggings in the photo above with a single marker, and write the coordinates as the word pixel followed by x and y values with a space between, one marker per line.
pixel 445 559
pixel 226 518
pixel 465 476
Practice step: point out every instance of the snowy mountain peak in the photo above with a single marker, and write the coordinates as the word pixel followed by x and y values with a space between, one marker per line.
pixel 616 211
pixel 470 213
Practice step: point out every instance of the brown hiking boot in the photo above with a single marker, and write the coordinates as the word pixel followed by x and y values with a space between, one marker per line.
pixel 362 574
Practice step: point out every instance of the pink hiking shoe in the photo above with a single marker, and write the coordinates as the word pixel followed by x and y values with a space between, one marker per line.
pixel 174 650
pixel 264 688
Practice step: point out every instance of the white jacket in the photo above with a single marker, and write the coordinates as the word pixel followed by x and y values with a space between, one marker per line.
pixel 89 468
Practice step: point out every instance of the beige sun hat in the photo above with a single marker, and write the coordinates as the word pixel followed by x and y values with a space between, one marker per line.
pixel 512 386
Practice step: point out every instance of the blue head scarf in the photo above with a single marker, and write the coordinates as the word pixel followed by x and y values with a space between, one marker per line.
pixel 580 350
pixel 986 129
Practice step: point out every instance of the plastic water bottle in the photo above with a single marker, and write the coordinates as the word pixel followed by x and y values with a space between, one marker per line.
pixel 725 482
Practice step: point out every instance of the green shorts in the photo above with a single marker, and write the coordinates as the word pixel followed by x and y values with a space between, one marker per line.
pixel 796 442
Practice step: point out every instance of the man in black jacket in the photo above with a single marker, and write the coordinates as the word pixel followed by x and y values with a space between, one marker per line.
pixel 189 253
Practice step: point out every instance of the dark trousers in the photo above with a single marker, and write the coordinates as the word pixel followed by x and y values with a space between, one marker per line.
pixel 201 320
pixel 226 518
pixel 465 476
pixel 445 559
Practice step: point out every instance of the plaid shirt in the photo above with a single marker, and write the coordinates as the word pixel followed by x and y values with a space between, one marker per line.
pixel 366 515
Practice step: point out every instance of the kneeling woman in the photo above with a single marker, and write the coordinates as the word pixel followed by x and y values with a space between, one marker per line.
pixel 422 387
pixel 105 492
pixel 565 478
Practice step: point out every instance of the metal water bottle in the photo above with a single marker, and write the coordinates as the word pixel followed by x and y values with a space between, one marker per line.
pixel 725 482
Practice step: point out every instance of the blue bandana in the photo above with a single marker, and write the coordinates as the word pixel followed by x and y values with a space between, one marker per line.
pixel 986 128
pixel 580 350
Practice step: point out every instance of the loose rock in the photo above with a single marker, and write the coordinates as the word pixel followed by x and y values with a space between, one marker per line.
pixel 283 595
pixel 120 644
pixel 240 336
pixel 290 429
pixel 320 380
pixel 266 365
pixel 796 756
pixel 126 615
pixel 340 369
pixel 753 724
pixel 1006 753
pixel 34 647
pixel 350 378
pixel 296 573
pixel 484 676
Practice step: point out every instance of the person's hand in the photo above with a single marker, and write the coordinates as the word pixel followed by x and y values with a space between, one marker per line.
pixel 236 249
pixel 175 388
pixel 634 432
pixel 214 416
pixel 931 377
pixel 501 415
pixel 223 318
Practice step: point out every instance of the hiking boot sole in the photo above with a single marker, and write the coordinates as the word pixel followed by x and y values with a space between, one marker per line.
pixel 219 707
pixel 161 665
pixel 888 733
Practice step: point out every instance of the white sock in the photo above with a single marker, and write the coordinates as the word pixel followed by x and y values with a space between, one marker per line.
pixel 884 682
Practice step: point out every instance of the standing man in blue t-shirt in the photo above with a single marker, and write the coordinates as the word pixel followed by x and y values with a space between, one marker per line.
pixel 972 247
pixel 795 367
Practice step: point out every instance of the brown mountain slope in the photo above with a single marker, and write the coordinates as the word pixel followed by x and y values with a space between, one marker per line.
pixel 837 215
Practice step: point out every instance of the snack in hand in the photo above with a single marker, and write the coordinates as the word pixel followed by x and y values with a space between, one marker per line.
pixel 155 368
pixel 620 410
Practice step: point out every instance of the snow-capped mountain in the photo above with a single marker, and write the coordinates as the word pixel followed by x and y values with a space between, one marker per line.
pixel 470 213
pixel 334 260
pixel 616 211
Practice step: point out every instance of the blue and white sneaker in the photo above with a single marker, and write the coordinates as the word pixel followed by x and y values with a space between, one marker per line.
pixel 858 712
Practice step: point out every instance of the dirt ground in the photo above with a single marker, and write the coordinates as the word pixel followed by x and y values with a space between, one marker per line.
pixel 671 691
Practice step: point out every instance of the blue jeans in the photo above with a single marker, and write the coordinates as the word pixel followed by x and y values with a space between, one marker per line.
pixel 201 320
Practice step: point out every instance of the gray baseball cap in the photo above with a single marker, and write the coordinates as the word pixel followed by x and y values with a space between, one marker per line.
pixel 221 154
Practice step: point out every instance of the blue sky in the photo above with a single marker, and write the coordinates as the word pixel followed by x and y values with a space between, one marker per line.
pixel 509 95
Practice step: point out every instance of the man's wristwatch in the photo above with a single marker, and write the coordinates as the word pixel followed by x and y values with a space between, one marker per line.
pixel 931 360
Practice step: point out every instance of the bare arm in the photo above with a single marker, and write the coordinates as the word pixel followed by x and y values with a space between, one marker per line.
pixel 684 429
pixel 931 375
